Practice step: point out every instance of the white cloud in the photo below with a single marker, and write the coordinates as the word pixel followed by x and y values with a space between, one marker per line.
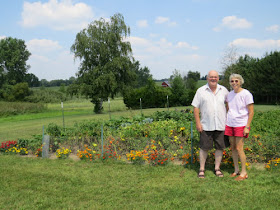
pixel 142 23
pixel 232 22
pixel 160 20
pixel 63 15
pixel 273 28
pixel 61 66
pixel 163 57
pixel 256 44
pixel 186 45
pixel 2 37
pixel 165 20
pixel 49 60
pixel 137 41
pixel 152 35
pixel 43 45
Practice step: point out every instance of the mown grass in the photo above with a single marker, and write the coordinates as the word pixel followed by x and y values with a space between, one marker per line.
pixel 35 183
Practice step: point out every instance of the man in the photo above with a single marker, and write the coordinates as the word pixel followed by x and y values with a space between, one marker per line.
pixel 209 101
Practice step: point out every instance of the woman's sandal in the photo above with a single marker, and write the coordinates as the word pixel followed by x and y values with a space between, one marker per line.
pixel 220 174
pixel 235 174
pixel 240 178
pixel 201 176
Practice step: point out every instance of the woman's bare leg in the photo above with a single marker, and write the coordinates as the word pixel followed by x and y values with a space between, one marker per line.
pixel 241 153
pixel 232 140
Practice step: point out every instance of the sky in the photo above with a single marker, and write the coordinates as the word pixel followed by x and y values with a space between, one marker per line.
pixel 182 35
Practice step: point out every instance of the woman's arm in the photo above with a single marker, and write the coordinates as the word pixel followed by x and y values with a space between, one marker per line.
pixel 250 108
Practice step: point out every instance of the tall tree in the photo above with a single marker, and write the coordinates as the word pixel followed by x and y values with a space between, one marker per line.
pixel 32 80
pixel 261 76
pixel 13 57
pixel 142 74
pixel 106 59
pixel 191 79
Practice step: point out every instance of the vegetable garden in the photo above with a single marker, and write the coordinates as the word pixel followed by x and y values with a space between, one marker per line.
pixel 163 137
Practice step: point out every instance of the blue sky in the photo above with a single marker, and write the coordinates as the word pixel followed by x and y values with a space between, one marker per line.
pixel 165 35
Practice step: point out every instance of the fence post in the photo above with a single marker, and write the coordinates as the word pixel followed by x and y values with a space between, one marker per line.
pixel 109 109
pixel 102 140
pixel 191 142
pixel 62 115
pixel 167 103
pixel 46 146
pixel 141 106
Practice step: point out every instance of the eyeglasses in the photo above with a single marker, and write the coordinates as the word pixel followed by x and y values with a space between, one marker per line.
pixel 236 81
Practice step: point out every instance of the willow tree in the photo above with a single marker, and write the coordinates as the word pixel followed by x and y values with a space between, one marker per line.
pixel 106 59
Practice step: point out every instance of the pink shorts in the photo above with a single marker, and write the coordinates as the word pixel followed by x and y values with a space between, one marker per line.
pixel 235 131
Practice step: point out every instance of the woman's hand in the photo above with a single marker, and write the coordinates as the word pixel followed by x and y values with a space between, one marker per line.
pixel 246 131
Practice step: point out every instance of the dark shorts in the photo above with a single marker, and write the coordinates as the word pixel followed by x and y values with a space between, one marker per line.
pixel 207 138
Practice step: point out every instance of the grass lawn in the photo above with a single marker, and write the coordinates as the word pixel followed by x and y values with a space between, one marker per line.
pixel 35 183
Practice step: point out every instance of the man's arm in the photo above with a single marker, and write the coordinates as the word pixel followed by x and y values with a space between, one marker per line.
pixel 197 119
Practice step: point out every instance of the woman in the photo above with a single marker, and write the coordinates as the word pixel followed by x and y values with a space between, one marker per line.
pixel 239 117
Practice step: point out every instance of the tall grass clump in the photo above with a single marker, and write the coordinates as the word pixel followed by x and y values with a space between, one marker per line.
pixel 15 108
pixel 46 96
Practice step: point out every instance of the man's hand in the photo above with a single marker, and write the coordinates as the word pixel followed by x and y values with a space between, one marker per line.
pixel 199 127
pixel 197 119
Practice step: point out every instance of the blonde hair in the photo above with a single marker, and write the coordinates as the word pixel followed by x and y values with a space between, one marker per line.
pixel 237 76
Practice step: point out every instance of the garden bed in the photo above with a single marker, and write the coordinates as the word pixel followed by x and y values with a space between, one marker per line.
pixel 157 140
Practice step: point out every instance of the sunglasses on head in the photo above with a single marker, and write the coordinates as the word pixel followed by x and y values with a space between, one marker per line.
pixel 236 81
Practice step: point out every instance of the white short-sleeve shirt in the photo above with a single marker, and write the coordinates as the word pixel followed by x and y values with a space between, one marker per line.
pixel 238 113
pixel 212 107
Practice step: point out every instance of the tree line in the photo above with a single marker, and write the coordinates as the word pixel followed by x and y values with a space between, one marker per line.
pixel 261 76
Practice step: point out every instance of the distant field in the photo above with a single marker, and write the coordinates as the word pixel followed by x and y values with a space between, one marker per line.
pixel 25 125
pixel 201 83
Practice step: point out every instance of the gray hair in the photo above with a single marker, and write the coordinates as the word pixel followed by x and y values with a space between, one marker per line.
pixel 237 76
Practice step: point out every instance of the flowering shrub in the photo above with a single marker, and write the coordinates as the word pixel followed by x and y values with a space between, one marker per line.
pixel 157 155
pixel 7 145
pixel 38 152
pixel 87 154
pixel 186 158
pixel 16 150
pixel 110 150
pixel 63 153
pixel 227 159
pixel 22 151
pixel 273 164
pixel 137 157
